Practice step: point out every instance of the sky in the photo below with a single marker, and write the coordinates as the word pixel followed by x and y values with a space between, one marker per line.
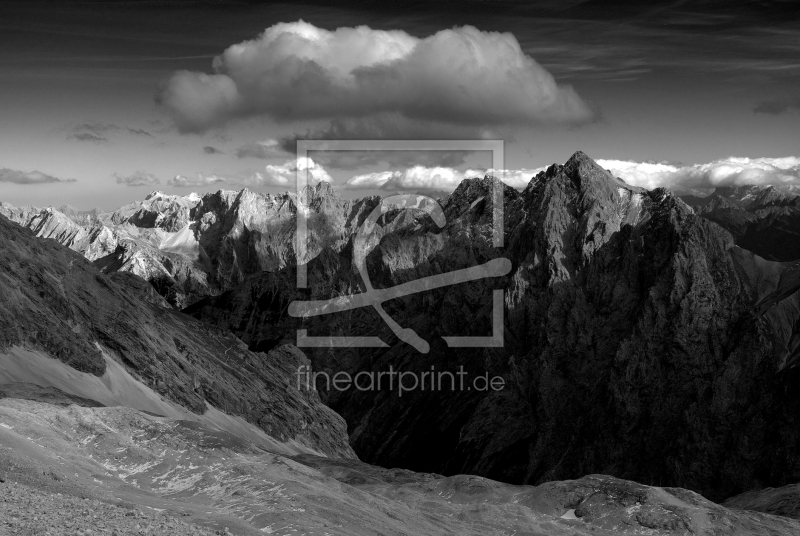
pixel 105 102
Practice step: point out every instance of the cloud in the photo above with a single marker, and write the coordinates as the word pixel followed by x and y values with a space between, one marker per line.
pixel 97 132
pixel 87 137
pixel 139 178
pixel 273 175
pixel 138 132
pixel 286 174
pixel 96 127
pixel 198 179
pixel 516 178
pixel 435 178
pixel 28 177
pixel 732 171
pixel 391 126
pixel 776 107
pixel 212 150
pixel 262 149
pixel 417 177
pixel 296 71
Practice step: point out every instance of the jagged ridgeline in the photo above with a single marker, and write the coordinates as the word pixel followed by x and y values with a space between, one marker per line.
pixel 190 247
pixel 640 341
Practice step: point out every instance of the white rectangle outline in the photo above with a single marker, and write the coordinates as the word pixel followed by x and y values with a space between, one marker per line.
pixel 304 146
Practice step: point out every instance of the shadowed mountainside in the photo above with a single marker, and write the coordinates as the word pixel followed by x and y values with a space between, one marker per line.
pixel 55 304
pixel 639 340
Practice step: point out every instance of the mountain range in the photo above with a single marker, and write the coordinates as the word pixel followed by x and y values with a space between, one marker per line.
pixel 646 336
pixel 762 219
pixel 633 325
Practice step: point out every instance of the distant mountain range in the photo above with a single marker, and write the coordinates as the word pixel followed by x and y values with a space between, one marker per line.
pixel 190 247
pixel 642 338
pixel 762 219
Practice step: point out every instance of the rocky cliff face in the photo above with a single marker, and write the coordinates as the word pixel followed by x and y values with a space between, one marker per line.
pixel 55 301
pixel 190 247
pixel 762 219
pixel 639 340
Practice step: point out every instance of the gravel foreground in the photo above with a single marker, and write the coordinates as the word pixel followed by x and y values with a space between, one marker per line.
pixel 28 511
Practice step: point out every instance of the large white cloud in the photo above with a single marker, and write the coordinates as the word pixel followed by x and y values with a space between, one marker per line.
pixel 733 171
pixel 298 71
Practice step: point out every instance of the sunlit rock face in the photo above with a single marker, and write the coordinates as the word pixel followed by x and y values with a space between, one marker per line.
pixel 638 339
pixel 190 247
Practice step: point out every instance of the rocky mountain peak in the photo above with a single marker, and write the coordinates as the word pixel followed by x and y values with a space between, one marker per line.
pixel 323 187
pixel 472 188
pixel 587 174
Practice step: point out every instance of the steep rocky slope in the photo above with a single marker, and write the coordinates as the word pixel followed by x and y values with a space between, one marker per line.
pixel 762 219
pixel 639 340
pixel 107 469
pixel 62 320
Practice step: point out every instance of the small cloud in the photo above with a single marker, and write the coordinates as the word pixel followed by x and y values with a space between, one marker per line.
pixel 140 178
pixel 98 132
pixel 139 132
pixel 96 127
pixel 88 137
pixel 212 150
pixel 516 178
pixel 28 177
pixel 199 179
pixel 286 173
pixel 776 107
pixel 262 149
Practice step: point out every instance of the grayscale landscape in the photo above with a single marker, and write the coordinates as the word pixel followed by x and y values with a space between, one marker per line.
pixel 593 330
